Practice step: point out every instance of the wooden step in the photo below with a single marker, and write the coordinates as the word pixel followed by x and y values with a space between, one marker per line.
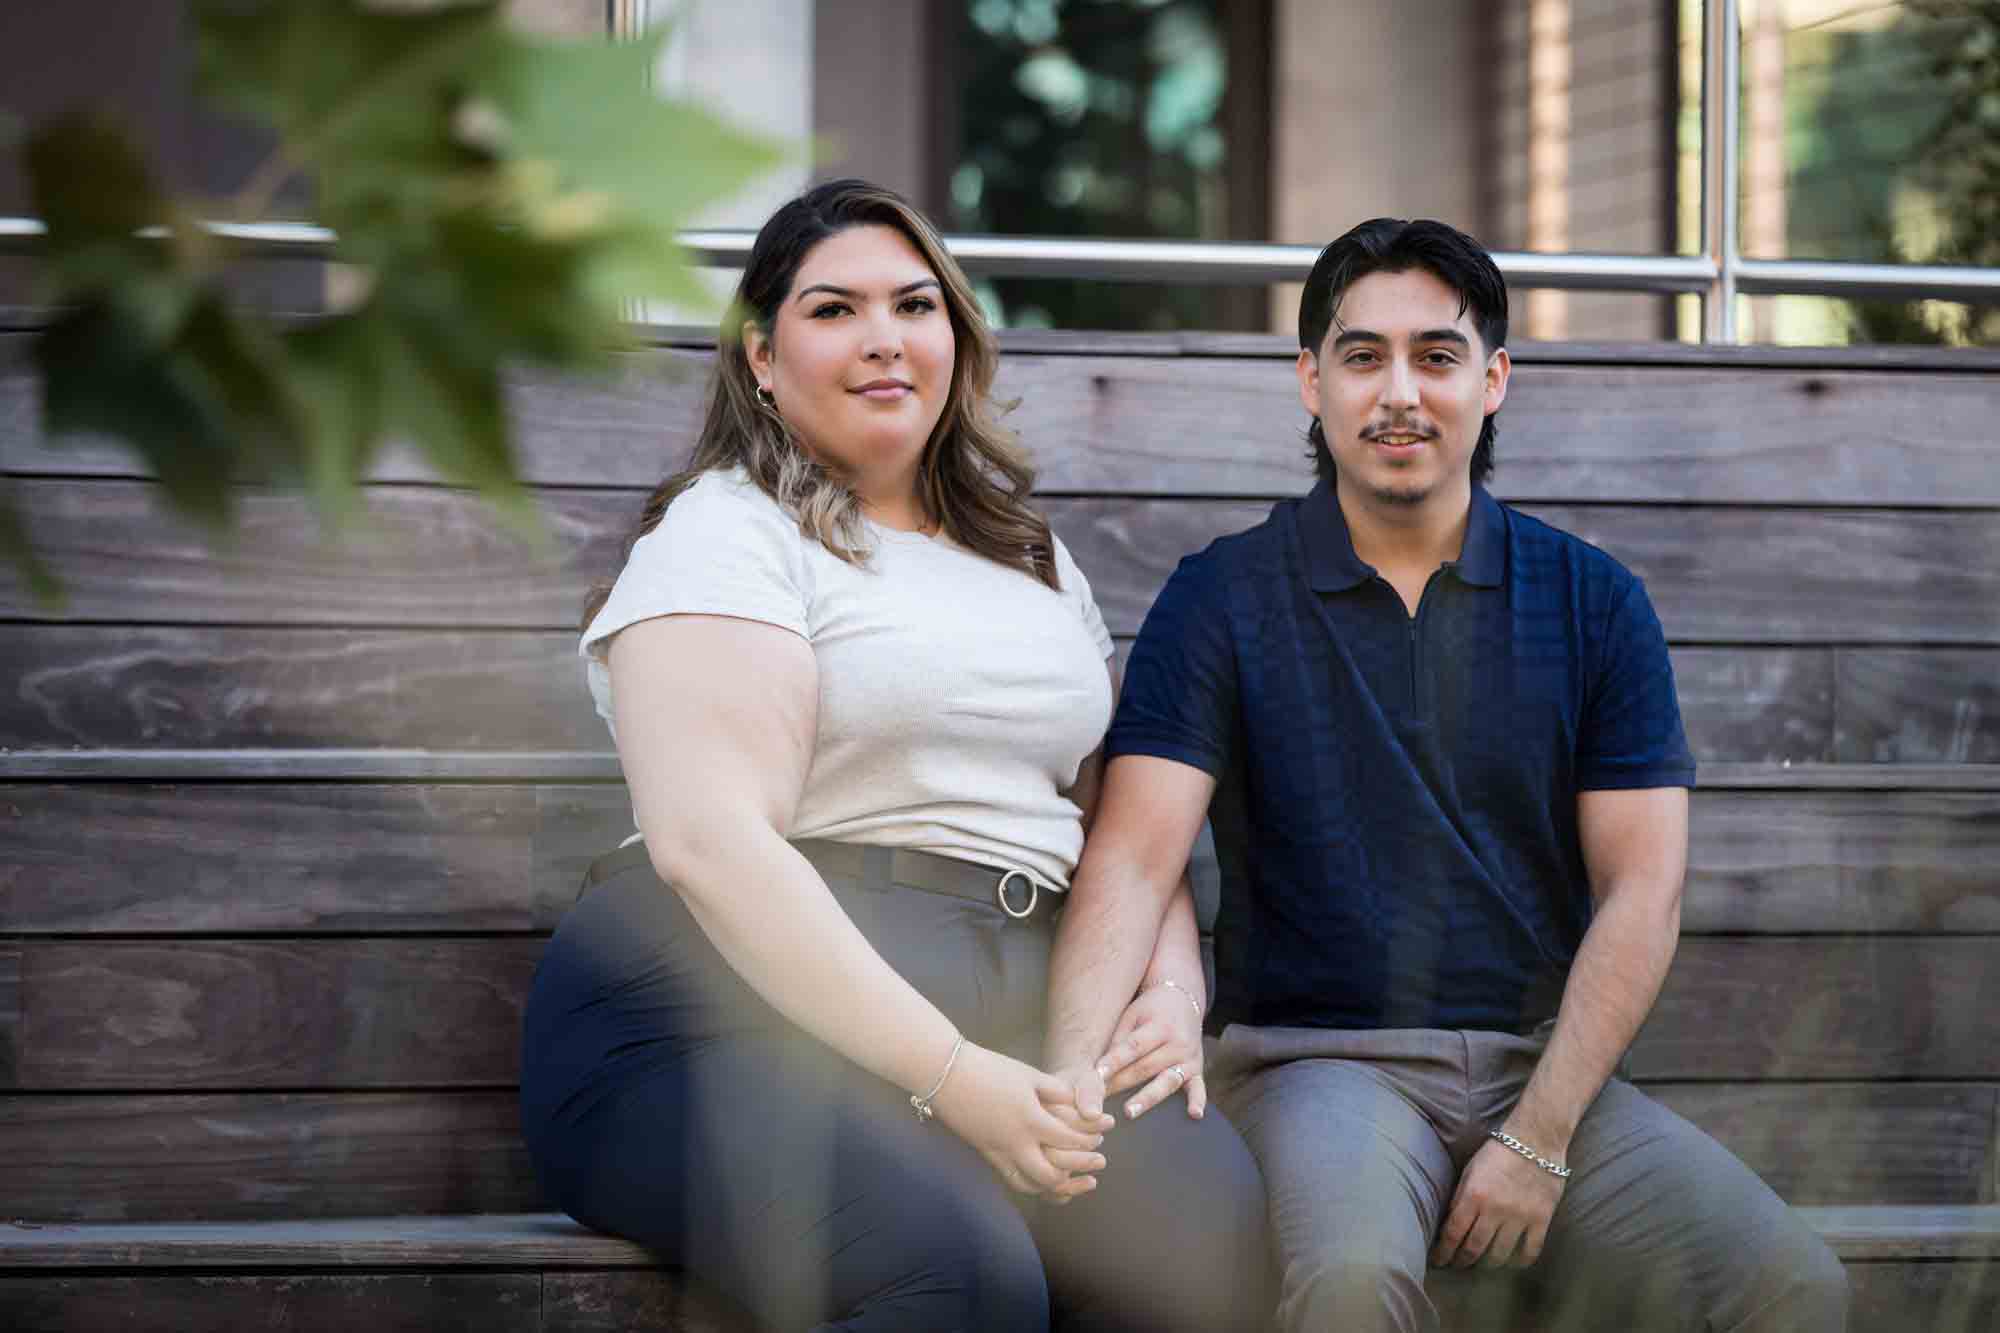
pixel 1936 1268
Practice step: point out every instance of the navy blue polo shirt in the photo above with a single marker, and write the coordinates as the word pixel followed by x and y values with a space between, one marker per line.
pixel 1395 811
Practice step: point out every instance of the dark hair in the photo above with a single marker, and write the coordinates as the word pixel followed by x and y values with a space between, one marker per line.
pixel 973 478
pixel 1393 245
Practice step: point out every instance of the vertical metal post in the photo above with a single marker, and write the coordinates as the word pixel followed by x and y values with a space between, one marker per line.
pixel 1721 81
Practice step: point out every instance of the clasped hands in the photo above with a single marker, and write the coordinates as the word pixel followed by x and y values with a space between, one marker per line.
pixel 1155 1049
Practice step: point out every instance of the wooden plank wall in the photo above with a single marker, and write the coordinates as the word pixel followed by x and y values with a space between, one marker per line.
pixel 282 827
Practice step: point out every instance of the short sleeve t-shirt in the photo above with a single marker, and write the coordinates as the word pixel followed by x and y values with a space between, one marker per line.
pixel 957 697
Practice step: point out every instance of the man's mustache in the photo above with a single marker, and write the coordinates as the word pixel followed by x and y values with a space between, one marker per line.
pixel 1399 428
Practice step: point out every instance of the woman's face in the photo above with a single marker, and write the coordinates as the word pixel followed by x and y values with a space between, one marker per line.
pixel 860 356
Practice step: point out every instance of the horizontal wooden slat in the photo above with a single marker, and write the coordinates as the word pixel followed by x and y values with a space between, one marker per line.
pixel 303 689
pixel 1784 1008
pixel 1852 862
pixel 483 1240
pixel 311 857
pixel 1853 1143
pixel 634 1298
pixel 1866 1234
pixel 195 1014
pixel 1933 707
pixel 149 1158
pixel 340 1013
pixel 325 765
pixel 434 557
pixel 1757 705
pixel 294 689
pixel 1733 776
pixel 10 1014
pixel 1924 1297
pixel 1165 424
pixel 324 1303
pixel 536 1240
pixel 299 858
pixel 248 1157
pixel 421 555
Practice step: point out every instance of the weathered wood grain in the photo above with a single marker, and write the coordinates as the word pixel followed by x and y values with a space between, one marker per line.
pixel 10 1013
pixel 298 858
pixel 1853 862
pixel 474 1240
pixel 1935 706
pixel 304 689
pixel 418 555
pixel 260 1157
pixel 1853 1143
pixel 1170 423
pixel 196 1014
pixel 434 557
pixel 1800 1008
pixel 306 858
pixel 1878 1233
pixel 339 1013
pixel 293 689
pixel 1757 705
pixel 1932 1297
pixel 335 1303
pixel 263 1157
pixel 658 1299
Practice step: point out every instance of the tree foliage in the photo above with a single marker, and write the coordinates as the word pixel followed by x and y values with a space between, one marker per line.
pixel 500 197
pixel 1956 161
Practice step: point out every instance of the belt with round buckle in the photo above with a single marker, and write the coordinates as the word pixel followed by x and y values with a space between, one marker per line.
pixel 1034 894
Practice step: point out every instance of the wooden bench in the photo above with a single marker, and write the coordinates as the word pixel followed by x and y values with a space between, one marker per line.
pixel 285 826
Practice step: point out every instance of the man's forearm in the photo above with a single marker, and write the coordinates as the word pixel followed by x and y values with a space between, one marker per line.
pixel 1612 985
pixel 1110 935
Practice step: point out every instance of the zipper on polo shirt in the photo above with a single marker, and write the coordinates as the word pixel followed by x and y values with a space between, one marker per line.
pixel 1418 705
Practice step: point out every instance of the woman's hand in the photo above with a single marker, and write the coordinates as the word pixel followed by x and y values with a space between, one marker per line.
pixel 1156 1048
pixel 997 1105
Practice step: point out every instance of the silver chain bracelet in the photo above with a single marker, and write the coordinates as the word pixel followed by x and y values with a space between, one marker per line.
pixel 922 1105
pixel 1185 992
pixel 1506 1140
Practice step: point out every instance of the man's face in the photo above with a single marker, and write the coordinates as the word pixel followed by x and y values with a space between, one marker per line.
pixel 1401 386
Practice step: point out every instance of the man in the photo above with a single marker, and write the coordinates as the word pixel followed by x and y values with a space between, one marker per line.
pixel 1449 786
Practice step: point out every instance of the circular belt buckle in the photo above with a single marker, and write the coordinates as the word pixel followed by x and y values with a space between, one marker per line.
pixel 1034 894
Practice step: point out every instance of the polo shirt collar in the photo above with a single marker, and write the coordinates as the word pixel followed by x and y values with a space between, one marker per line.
pixel 1332 566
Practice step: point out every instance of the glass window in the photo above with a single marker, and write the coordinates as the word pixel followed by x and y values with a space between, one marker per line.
pixel 1869 134
pixel 1107 118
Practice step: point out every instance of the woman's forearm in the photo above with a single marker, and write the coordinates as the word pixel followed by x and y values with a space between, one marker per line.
pixel 771 917
pixel 1177 951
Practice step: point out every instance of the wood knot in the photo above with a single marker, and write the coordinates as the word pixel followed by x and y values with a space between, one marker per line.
pixel 1814 387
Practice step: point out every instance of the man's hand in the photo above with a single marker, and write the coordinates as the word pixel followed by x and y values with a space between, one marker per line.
pixel 1500 1213
pixel 1157 1049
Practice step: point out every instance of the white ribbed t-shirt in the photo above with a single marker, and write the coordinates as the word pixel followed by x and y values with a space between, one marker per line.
pixel 957 697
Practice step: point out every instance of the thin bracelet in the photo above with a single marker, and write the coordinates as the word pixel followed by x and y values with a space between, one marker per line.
pixel 922 1105
pixel 1169 981
pixel 1506 1140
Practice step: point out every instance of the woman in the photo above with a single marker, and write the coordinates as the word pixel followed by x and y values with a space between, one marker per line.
pixel 857 686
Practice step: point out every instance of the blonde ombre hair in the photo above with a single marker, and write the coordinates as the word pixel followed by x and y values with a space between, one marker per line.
pixel 973 479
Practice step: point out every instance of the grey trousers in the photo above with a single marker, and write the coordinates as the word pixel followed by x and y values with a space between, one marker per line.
pixel 1361 1136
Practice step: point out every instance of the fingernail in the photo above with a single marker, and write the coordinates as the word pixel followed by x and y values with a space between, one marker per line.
pixel 1132 1109
pixel 1097 1142
pixel 1104 1071
pixel 1097 1163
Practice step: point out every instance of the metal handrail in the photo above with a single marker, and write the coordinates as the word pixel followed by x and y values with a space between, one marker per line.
pixel 1247 263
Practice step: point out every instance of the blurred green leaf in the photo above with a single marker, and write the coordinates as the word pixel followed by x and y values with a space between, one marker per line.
pixel 101 373
pixel 500 198
pixel 20 552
